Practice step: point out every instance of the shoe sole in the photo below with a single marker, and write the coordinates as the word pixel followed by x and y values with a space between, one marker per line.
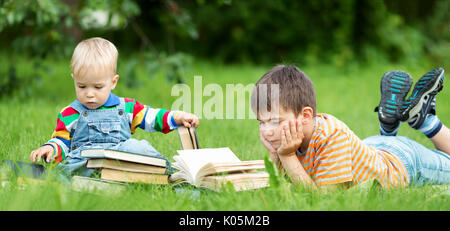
pixel 417 103
pixel 395 85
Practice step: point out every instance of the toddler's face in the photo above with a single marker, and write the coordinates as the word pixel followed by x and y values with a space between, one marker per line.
pixel 271 123
pixel 93 88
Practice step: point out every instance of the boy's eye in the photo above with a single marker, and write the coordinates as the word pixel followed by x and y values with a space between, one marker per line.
pixel 99 87
pixel 81 86
pixel 272 123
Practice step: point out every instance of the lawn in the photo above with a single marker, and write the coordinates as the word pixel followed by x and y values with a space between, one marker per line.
pixel 349 93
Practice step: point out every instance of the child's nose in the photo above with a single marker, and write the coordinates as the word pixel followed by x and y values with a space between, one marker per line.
pixel 267 132
pixel 90 94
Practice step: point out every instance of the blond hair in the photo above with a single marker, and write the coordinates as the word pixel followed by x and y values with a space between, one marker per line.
pixel 96 53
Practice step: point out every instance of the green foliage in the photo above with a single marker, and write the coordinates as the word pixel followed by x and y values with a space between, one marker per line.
pixel 336 32
pixel 273 172
pixel 437 27
pixel 173 66
pixel 107 15
pixel 31 28
pixel 166 32
pixel 34 29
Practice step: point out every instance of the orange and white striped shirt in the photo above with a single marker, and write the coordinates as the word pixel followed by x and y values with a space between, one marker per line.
pixel 336 155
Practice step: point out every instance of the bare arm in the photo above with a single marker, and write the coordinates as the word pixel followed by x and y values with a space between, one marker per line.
pixel 291 139
pixel 296 172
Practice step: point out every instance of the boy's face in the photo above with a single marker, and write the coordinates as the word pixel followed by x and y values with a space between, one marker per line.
pixel 271 123
pixel 94 87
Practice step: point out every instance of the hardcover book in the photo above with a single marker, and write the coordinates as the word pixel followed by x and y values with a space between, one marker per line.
pixel 133 177
pixel 124 166
pixel 124 156
pixel 92 185
pixel 188 138
pixel 25 169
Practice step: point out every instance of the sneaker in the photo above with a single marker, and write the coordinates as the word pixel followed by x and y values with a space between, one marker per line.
pixel 395 85
pixel 422 99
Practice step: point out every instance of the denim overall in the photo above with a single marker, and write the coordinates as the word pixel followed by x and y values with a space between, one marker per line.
pixel 103 129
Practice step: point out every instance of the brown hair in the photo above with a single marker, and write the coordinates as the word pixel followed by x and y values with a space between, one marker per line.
pixel 296 90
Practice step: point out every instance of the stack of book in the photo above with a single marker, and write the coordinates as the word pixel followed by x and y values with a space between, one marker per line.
pixel 122 166
pixel 118 167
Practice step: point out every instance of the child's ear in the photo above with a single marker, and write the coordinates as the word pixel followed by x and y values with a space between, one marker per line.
pixel 114 81
pixel 307 115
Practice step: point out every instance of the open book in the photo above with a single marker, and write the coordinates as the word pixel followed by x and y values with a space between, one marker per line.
pixel 211 167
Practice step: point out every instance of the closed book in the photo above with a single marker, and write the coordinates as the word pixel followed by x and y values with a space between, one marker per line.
pixel 188 138
pixel 121 155
pixel 124 166
pixel 25 169
pixel 123 176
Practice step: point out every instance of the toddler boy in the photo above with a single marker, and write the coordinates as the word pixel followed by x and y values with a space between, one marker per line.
pixel 100 119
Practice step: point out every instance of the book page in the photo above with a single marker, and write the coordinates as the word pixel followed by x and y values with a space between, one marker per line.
pixel 195 159
pixel 212 168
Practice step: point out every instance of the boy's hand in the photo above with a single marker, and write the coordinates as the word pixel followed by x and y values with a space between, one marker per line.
pixel 187 119
pixel 291 137
pixel 44 151
pixel 273 152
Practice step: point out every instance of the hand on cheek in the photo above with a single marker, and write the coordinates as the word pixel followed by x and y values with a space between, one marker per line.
pixel 291 137
pixel 273 152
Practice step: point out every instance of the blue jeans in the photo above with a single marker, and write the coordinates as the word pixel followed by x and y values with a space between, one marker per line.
pixel 424 165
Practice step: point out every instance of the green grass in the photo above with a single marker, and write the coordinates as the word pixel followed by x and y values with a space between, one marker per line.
pixel 349 93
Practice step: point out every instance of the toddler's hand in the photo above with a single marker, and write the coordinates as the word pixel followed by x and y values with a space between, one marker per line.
pixel 187 119
pixel 291 137
pixel 44 151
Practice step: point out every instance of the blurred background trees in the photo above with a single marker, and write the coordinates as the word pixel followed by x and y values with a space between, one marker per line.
pixel 168 34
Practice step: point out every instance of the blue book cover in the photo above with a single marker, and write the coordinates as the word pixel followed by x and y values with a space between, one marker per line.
pixel 26 169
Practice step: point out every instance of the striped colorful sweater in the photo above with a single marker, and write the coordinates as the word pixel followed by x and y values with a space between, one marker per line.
pixel 336 155
pixel 139 116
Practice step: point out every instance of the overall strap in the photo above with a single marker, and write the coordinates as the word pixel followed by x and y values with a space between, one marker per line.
pixel 121 106
pixel 77 106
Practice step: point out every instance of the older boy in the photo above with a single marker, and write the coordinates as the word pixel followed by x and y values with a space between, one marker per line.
pixel 318 149
pixel 100 119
